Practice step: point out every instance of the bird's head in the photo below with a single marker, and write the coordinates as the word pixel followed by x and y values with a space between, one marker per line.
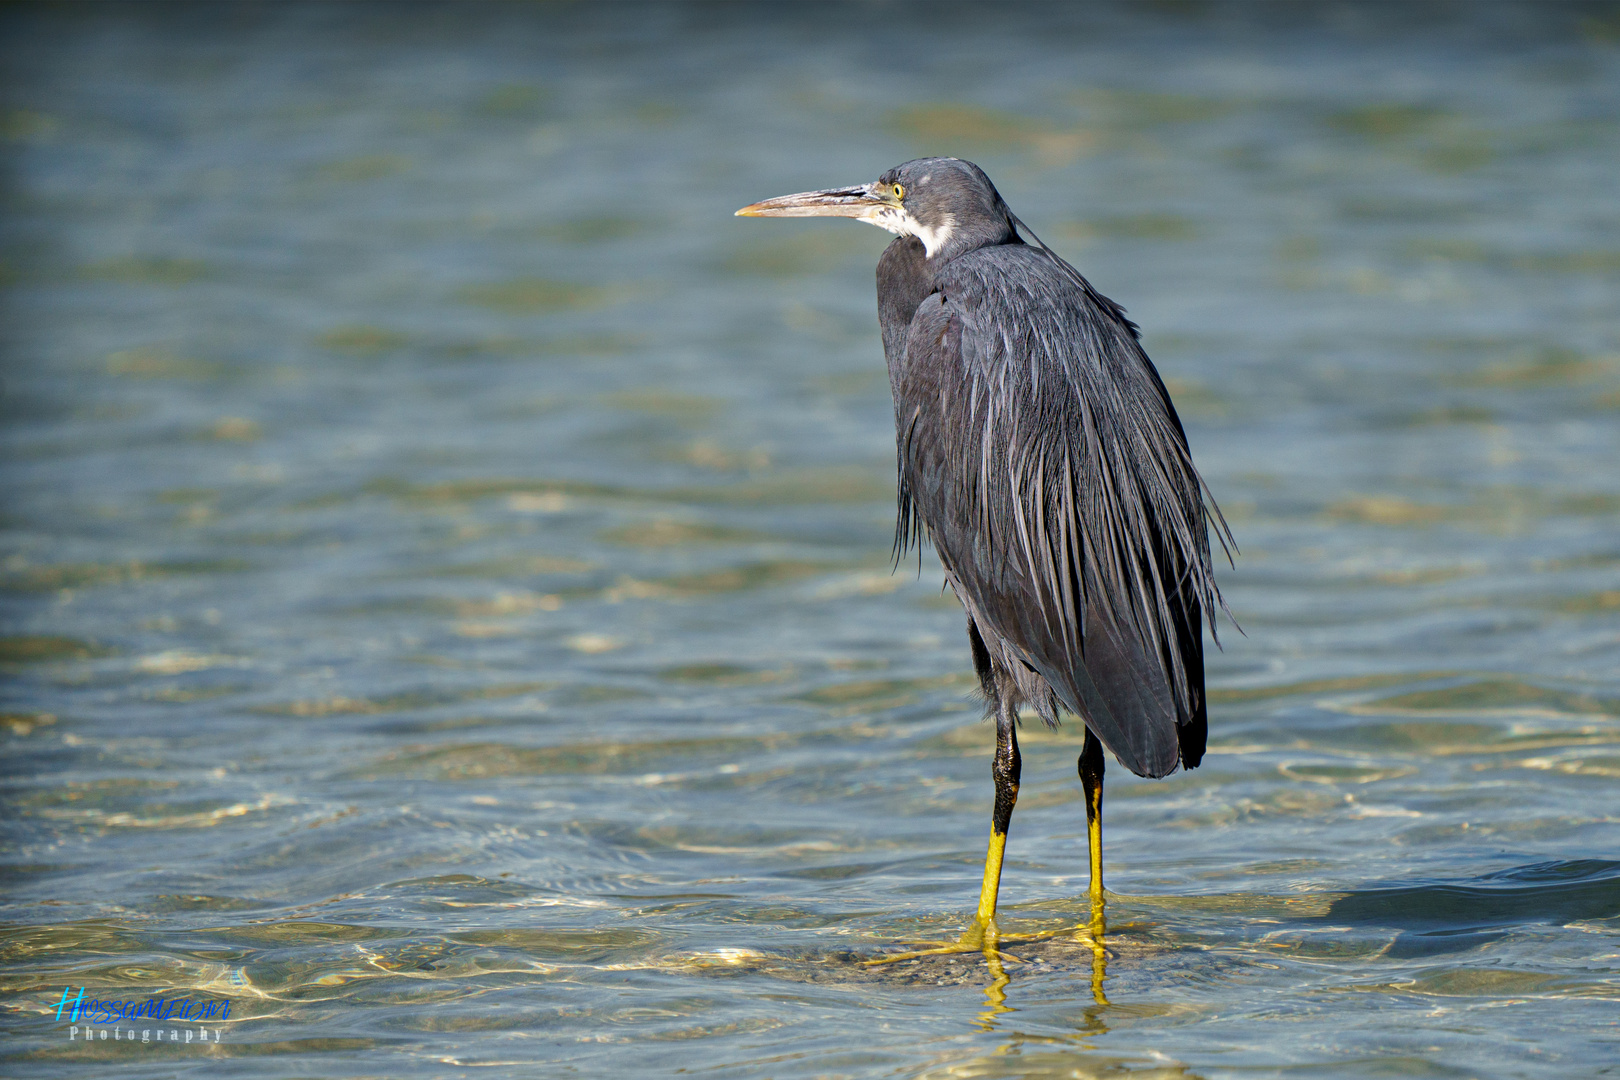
pixel 947 203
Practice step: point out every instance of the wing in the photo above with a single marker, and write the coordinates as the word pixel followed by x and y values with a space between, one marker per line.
pixel 1039 451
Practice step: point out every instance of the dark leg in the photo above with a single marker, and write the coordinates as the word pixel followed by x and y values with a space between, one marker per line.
pixel 1005 770
pixel 1091 780
pixel 983 934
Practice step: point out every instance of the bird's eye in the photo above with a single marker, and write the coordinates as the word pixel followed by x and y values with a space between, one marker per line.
pixel 899 191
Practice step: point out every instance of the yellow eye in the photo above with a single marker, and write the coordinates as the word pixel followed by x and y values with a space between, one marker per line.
pixel 899 191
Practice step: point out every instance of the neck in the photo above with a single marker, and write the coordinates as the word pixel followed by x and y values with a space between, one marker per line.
pixel 944 237
pixel 959 239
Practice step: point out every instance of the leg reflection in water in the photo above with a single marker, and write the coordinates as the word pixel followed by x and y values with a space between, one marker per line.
pixel 1090 935
pixel 996 992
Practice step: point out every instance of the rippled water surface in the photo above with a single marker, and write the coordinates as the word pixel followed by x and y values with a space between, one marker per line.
pixel 446 588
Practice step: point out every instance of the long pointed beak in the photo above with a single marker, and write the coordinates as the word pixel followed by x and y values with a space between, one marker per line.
pixel 854 202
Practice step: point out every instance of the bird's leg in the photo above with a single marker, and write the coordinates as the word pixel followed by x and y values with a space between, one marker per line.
pixel 1005 769
pixel 1091 780
pixel 982 934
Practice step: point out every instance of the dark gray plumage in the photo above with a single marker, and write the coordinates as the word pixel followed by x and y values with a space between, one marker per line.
pixel 1039 450
pixel 1040 454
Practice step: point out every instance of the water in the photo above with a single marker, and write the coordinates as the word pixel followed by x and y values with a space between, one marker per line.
pixel 446 602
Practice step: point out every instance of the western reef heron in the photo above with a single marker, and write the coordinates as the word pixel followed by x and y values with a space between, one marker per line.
pixel 1040 453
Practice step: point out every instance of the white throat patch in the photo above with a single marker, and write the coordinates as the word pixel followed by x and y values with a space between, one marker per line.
pixel 897 221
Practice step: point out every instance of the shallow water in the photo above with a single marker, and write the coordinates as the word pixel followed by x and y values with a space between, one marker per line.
pixel 446 589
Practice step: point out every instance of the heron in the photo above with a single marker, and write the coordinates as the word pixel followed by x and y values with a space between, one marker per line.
pixel 1039 453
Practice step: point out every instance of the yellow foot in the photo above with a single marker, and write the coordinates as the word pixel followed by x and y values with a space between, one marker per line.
pixel 974 940
pixel 979 937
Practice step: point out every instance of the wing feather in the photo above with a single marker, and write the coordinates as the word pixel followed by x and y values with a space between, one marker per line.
pixel 1039 451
